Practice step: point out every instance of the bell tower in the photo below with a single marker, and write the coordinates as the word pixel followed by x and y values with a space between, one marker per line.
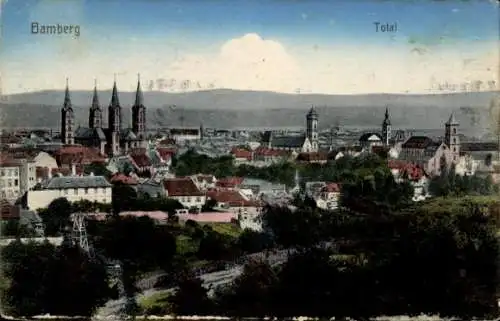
pixel 67 119
pixel 312 128
pixel 451 137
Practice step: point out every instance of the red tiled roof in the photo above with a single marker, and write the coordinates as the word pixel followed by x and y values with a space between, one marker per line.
pixel 242 153
pixel 166 142
pixel 78 155
pixel 8 161
pixel 331 188
pixel 229 181
pixel 231 197
pixel 184 186
pixel 311 157
pixel 203 177
pixel 417 142
pixel 141 160
pixel 264 151
pixel 414 171
pixel 124 179
pixel 22 153
pixel 166 153
pixel 137 151
pixel 8 211
pixel 43 172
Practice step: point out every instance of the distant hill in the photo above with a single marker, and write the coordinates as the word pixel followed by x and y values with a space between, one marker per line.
pixel 233 108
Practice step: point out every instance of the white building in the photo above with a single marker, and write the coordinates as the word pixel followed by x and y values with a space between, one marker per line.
pixel 328 197
pixel 44 159
pixel 17 176
pixel 185 191
pixel 73 188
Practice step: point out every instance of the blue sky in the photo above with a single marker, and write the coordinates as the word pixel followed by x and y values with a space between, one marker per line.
pixel 287 46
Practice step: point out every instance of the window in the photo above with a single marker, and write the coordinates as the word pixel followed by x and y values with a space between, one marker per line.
pixel 86 191
pixel 10 183
pixel 454 131
pixel 104 200
pixel 2 172
pixel 454 140
pixel 75 191
pixel 66 192
pixel 95 190
pixel 16 172
pixel 16 182
pixel 10 172
pixel 198 199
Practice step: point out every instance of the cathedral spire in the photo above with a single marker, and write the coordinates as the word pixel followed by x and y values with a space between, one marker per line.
pixel 139 98
pixel 95 98
pixel 387 120
pixel 114 95
pixel 67 99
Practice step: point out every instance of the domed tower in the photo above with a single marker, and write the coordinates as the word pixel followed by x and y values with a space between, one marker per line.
pixel 312 128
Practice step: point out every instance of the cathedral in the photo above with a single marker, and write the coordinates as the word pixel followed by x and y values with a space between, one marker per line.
pixel 113 140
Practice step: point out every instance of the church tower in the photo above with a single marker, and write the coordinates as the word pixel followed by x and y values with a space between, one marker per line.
pixel 386 128
pixel 451 138
pixel 139 113
pixel 95 115
pixel 312 128
pixel 67 119
pixel 114 121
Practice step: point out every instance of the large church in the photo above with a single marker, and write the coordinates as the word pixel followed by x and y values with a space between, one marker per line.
pixel 113 140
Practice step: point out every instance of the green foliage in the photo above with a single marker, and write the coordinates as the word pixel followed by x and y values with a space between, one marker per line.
pixel 45 279
pixel 98 169
pixel 56 217
pixel 191 298
pixel 138 241
pixel 12 228
pixel 451 184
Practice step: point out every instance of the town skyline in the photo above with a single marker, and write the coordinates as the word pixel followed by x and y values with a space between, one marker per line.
pixel 313 48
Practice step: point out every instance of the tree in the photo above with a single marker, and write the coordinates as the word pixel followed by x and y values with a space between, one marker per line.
pixel 75 285
pixel 123 198
pixel 191 298
pixel 251 241
pixel 56 216
pixel 25 265
pixel 214 246
pixel 292 228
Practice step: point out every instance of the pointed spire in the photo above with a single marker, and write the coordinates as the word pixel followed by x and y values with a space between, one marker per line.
pixel 452 120
pixel 95 98
pixel 139 98
pixel 387 120
pixel 67 99
pixel 114 95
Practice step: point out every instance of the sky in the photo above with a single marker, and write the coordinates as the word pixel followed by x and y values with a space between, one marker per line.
pixel 329 47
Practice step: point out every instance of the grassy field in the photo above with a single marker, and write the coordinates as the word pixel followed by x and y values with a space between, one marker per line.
pixel 226 228
pixel 155 303
pixel 186 244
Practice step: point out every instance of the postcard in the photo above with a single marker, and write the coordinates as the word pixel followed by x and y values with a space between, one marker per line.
pixel 249 158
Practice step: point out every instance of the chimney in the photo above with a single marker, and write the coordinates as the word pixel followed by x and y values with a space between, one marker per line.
pixel 91 173
pixel 73 170
pixel 49 174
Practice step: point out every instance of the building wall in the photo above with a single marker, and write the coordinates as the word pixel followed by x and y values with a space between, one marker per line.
pixel 43 159
pixel 10 183
pixel 41 199
pixel 27 176
pixel 190 201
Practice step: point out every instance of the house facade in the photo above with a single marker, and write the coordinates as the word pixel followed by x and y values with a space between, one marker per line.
pixel 73 188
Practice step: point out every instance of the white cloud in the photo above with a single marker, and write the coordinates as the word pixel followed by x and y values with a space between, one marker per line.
pixel 253 63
